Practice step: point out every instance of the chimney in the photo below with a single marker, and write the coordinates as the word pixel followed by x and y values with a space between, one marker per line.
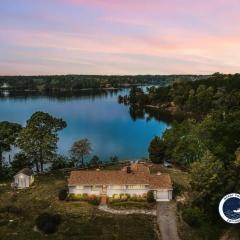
pixel 129 170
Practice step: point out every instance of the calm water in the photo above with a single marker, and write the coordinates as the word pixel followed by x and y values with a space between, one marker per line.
pixel 107 124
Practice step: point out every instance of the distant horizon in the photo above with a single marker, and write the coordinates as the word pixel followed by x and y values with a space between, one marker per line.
pixel 119 37
pixel 117 75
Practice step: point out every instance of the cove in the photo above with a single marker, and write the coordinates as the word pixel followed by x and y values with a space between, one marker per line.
pixel 96 116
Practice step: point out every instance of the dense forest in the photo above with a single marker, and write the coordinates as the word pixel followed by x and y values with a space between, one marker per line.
pixel 77 82
pixel 206 142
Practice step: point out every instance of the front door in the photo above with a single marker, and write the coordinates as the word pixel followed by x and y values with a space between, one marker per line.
pixel 104 189
pixel 22 182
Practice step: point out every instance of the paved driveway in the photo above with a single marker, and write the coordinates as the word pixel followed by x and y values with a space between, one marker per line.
pixel 167 220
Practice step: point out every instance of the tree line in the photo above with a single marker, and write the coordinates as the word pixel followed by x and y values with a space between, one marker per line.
pixel 37 144
pixel 77 82
pixel 206 142
pixel 189 98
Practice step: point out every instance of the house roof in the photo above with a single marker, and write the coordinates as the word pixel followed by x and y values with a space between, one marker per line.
pixel 109 177
pixel 26 171
pixel 106 177
pixel 160 181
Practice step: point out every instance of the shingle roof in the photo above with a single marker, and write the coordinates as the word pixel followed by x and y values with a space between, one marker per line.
pixel 119 178
pixel 26 171
pixel 160 181
pixel 106 177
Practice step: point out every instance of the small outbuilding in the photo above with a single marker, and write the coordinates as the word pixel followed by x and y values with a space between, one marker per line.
pixel 24 178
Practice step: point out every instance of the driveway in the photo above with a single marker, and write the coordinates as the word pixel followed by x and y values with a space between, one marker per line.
pixel 167 220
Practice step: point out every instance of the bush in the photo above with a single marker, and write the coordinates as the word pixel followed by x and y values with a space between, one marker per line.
pixel 62 195
pixel 125 197
pixel 78 197
pixel 92 199
pixel 150 197
pixel 48 223
pixel 177 189
pixel 193 216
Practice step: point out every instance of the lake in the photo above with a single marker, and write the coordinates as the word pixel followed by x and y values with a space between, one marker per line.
pixel 96 116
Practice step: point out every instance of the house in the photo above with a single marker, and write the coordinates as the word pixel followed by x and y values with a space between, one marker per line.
pixel 134 180
pixel 5 86
pixel 24 178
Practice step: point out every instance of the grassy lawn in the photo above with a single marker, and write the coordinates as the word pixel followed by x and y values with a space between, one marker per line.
pixel 79 219
pixel 131 205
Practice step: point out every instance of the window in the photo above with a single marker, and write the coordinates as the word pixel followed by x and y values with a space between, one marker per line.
pixel 117 187
pixel 79 187
pixel 136 186
pixel 96 187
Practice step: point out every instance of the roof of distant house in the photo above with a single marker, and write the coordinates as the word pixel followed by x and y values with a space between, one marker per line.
pixel 137 167
pixel 26 171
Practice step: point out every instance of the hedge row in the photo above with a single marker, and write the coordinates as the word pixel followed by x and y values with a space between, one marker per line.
pixel 93 199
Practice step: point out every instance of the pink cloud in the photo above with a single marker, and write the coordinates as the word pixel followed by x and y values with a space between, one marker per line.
pixel 137 36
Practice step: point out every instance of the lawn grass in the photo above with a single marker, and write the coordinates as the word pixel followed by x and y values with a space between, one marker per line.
pixel 131 205
pixel 80 219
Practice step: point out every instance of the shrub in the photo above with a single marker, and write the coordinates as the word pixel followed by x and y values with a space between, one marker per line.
pixel 150 197
pixel 48 223
pixel 78 197
pixel 124 197
pixel 92 199
pixel 193 216
pixel 116 196
pixel 177 189
pixel 62 195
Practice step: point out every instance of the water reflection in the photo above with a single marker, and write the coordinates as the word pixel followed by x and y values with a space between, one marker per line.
pixel 113 129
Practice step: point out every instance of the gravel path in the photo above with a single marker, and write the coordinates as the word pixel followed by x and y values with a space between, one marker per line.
pixel 105 208
pixel 167 220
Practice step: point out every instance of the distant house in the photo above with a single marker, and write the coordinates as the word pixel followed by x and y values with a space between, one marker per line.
pixel 24 178
pixel 134 180
pixel 5 86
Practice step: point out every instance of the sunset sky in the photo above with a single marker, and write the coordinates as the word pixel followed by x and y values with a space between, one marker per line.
pixel 119 36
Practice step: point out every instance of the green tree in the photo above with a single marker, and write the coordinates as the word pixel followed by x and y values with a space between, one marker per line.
pixel 220 132
pixel 38 140
pixel 80 149
pixel 60 162
pixel 157 150
pixel 114 159
pixel 19 162
pixel 95 161
pixel 8 135
pixel 207 182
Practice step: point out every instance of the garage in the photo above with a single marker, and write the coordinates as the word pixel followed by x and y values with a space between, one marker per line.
pixel 163 195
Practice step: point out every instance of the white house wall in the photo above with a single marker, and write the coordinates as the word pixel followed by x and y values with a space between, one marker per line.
pixel 18 180
pixel 110 192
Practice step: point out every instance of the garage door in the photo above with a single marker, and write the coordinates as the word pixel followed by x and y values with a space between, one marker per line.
pixel 162 195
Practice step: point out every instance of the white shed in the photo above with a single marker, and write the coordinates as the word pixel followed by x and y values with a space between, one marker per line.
pixel 24 178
